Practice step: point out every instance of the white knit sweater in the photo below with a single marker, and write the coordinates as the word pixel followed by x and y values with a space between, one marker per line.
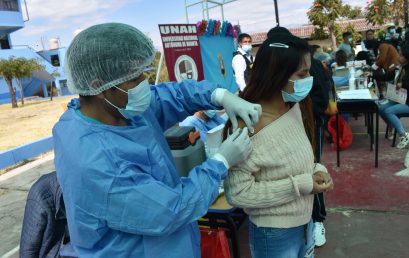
pixel 274 184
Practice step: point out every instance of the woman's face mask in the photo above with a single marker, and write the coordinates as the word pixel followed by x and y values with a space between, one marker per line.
pixel 139 99
pixel 301 89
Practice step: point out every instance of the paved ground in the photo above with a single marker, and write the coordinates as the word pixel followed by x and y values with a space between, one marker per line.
pixel 14 187
pixel 357 234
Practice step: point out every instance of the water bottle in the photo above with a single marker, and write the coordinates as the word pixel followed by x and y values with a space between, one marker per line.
pixel 352 79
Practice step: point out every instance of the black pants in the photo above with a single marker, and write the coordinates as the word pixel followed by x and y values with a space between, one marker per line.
pixel 318 211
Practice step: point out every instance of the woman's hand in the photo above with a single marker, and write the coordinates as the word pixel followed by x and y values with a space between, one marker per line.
pixel 322 182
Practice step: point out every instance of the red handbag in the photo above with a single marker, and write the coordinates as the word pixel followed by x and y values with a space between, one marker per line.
pixel 345 133
pixel 214 243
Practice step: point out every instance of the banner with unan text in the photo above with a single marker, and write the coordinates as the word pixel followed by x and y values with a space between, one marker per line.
pixel 182 51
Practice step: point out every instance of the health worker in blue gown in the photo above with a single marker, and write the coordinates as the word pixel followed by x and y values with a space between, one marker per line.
pixel 123 195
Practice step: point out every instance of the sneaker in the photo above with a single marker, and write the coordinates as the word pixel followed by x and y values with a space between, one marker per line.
pixel 319 234
pixel 403 141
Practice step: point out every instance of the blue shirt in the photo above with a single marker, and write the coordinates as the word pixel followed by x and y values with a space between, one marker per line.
pixel 123 195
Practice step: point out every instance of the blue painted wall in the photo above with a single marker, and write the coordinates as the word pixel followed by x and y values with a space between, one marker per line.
pixel 33 85
pixel 46 54
pixel 24 152
pixel 11 20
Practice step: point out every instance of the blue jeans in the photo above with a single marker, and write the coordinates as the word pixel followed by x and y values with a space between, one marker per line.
pixel 296 242
pixel 389 112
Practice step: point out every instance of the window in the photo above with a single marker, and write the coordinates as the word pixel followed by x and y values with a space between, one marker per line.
pixel 63 83
pixel 55 60
pixel 9 5
pixel 4 41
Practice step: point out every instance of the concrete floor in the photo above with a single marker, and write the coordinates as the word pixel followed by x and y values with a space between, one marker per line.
pixel 368 210
pixel 357 234
pixel 13 195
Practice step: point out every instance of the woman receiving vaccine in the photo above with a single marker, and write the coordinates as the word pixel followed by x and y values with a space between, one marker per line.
pixel 276 184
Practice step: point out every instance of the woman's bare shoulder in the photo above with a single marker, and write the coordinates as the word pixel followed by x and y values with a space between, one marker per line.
pixel 265 119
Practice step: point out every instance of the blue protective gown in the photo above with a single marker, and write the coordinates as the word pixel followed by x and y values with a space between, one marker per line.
pixel 201 125
pixel 123 195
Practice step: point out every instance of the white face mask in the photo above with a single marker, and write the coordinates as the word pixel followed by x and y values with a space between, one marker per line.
pixel 246 48
pixel 139 99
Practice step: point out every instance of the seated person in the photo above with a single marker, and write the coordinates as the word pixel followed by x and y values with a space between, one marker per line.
pixel 387 61
pixel 323 57
pixel 340 60
pixel 390 110
pixel 340 77
pixel 364 56
pixel 204 121
pixel 385 66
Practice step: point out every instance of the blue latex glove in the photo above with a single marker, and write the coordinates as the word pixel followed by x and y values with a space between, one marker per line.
pixel 237 107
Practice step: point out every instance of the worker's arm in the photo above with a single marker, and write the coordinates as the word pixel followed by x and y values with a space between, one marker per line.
pixel 172 102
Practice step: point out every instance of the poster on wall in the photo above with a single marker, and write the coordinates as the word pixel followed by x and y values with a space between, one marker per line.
pixel 182 51
pixel 217 47
pixel 217 55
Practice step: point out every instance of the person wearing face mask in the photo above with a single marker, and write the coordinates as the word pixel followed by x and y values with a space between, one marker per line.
pixel 276 184
pixel 122 193
pixel 392 36
pixel 204 121
pixel 347 46
pixel 370 44
pixel 242 62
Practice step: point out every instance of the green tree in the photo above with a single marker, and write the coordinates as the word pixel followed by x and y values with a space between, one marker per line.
pixel 354 12
pixel 17 68
pixel 7 70
pixel 319 34
pixel 324 13
pixel 25 69
pixel 349 28
pixel 151 75
pixel 397 11
pixel 378 12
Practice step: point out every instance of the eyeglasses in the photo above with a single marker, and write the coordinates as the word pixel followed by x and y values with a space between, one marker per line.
pixel 279 45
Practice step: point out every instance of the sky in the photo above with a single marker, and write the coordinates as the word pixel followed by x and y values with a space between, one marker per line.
pixel 61 19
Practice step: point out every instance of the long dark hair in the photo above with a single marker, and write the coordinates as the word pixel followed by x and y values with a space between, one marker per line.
pixel 271 71
pixel 273 66
pixel 341 58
